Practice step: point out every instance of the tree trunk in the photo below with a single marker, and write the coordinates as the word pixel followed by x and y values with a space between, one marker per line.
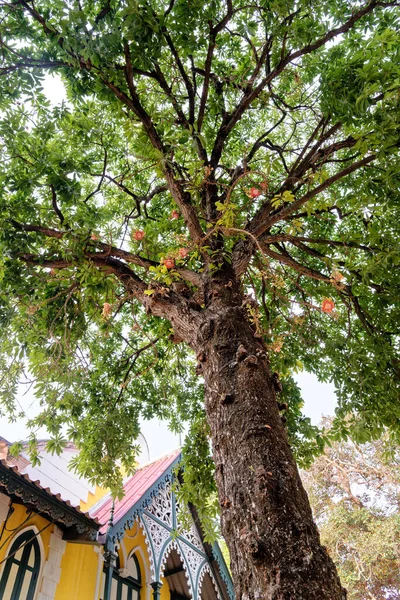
pixel 265 514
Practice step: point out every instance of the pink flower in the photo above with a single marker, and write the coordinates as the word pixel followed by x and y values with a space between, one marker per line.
pixel 253 192
pixel 174 215
pixel 138 235
pixel 94 237
pixel 183 252
pixel 327 305
pixel 169 263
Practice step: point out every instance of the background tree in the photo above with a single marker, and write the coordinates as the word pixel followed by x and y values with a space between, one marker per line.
pixel 355 494
pixel 224 175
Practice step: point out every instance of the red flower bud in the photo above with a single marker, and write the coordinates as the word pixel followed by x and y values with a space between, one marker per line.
pixel 253 192
pixel 138 235
pixel 327 305
pixel 169 263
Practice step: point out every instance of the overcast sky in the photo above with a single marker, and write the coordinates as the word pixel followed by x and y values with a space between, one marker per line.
pixel 319 397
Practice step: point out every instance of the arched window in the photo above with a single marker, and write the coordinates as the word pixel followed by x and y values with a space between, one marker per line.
pixel 126 583
pixel 21 571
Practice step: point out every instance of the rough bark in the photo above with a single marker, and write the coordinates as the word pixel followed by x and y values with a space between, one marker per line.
pixel 266 517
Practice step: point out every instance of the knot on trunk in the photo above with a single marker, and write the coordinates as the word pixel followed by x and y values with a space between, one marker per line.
pixel 176 338
pixel 251 361
pixel 241 353
pixel 226 503
pixel 262 477
pixel 201 358
pixel 276 383
pixel 252 544
pixel 227 399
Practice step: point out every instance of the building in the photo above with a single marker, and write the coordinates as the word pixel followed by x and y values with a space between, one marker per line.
pixel 69 540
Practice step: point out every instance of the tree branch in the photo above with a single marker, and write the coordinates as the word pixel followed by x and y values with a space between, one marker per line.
pixel 55 205
pixel 172 306
pixel 207 67
pixel 102 176
pixel 187 82
pixel 264 219
pixel 283 237
pixel 291 262
pixel 231 119
pixel 109 251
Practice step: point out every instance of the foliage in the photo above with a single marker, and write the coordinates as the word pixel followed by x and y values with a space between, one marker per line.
pixel 355 493
pixel 197 137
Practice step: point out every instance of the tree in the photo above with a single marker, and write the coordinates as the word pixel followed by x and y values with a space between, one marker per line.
pixel 223 181
pixel 355 494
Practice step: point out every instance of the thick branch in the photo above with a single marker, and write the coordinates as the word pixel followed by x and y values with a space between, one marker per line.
pixel 108 251
pixel 172 307
pixel 206 82
pixel 291 262
pixel 283 237
pixel 181 198
pixel 33 64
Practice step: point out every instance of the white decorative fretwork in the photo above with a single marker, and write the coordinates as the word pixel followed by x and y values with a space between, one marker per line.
pixel 206 569
pixel 158 535
pixel 191 534
pixel 158 521
pixel 193 559
pixel 174 545
pixel 193 537
pixel 161 506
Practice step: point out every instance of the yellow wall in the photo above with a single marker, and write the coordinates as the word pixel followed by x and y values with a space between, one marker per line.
pixel 78 573
pixel 18 521
pixel 165 595
pixel 132 539
pixel 92 499
pixel 79 568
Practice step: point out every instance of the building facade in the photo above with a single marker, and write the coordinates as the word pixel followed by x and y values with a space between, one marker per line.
pixel 143 547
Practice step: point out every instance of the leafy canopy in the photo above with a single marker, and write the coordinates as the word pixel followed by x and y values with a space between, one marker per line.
pixel 197 135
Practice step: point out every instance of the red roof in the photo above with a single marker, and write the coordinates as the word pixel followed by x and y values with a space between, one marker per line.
pixel 134 488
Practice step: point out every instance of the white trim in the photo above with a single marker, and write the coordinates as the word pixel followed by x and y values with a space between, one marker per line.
pixel 5 502
pixel 99 551
pixel 121 546
pixel 52 567
pixel 146 576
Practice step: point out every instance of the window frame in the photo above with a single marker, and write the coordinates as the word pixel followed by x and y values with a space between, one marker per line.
pixel 27 539
pixel 129 582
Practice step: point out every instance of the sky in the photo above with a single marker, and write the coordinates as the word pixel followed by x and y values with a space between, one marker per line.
pixel 319 398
